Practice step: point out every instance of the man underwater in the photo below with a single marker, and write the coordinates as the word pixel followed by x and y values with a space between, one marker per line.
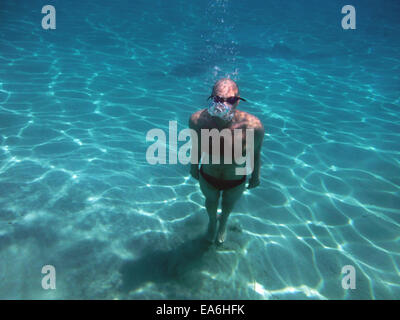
pixel 221 179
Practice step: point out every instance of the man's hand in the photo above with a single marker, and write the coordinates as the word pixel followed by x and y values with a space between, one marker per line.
pixel 194 171
pixel 253 182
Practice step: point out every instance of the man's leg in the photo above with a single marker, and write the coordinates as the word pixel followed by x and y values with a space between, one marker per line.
pixel 229 198
pixel 212 197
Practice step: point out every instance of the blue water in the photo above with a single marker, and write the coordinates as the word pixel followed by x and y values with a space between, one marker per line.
pixel 77 193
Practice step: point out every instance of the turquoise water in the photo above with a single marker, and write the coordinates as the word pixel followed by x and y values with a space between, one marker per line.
pixel 76 191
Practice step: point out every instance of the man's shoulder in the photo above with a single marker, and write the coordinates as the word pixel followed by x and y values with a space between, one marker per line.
pixel 252 122
pixel 198 118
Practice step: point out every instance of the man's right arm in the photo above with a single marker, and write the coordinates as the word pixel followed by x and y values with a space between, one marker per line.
pixel 194 167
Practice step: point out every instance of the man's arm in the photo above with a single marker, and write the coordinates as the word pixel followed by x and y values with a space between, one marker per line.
pixel 194 167
pixel 254 180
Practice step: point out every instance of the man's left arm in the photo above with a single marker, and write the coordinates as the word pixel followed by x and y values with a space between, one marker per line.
pixel 254 180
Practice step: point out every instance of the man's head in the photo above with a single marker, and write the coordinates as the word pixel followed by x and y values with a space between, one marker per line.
pixel 226 88
pixel 225 98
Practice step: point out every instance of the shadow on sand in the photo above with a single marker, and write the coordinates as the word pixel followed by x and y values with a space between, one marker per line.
pixel 162 266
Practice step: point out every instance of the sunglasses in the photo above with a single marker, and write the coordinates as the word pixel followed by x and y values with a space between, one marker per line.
pixel 230 100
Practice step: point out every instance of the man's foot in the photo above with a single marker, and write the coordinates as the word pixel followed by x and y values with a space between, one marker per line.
pixel 221 235
pixel 210 235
